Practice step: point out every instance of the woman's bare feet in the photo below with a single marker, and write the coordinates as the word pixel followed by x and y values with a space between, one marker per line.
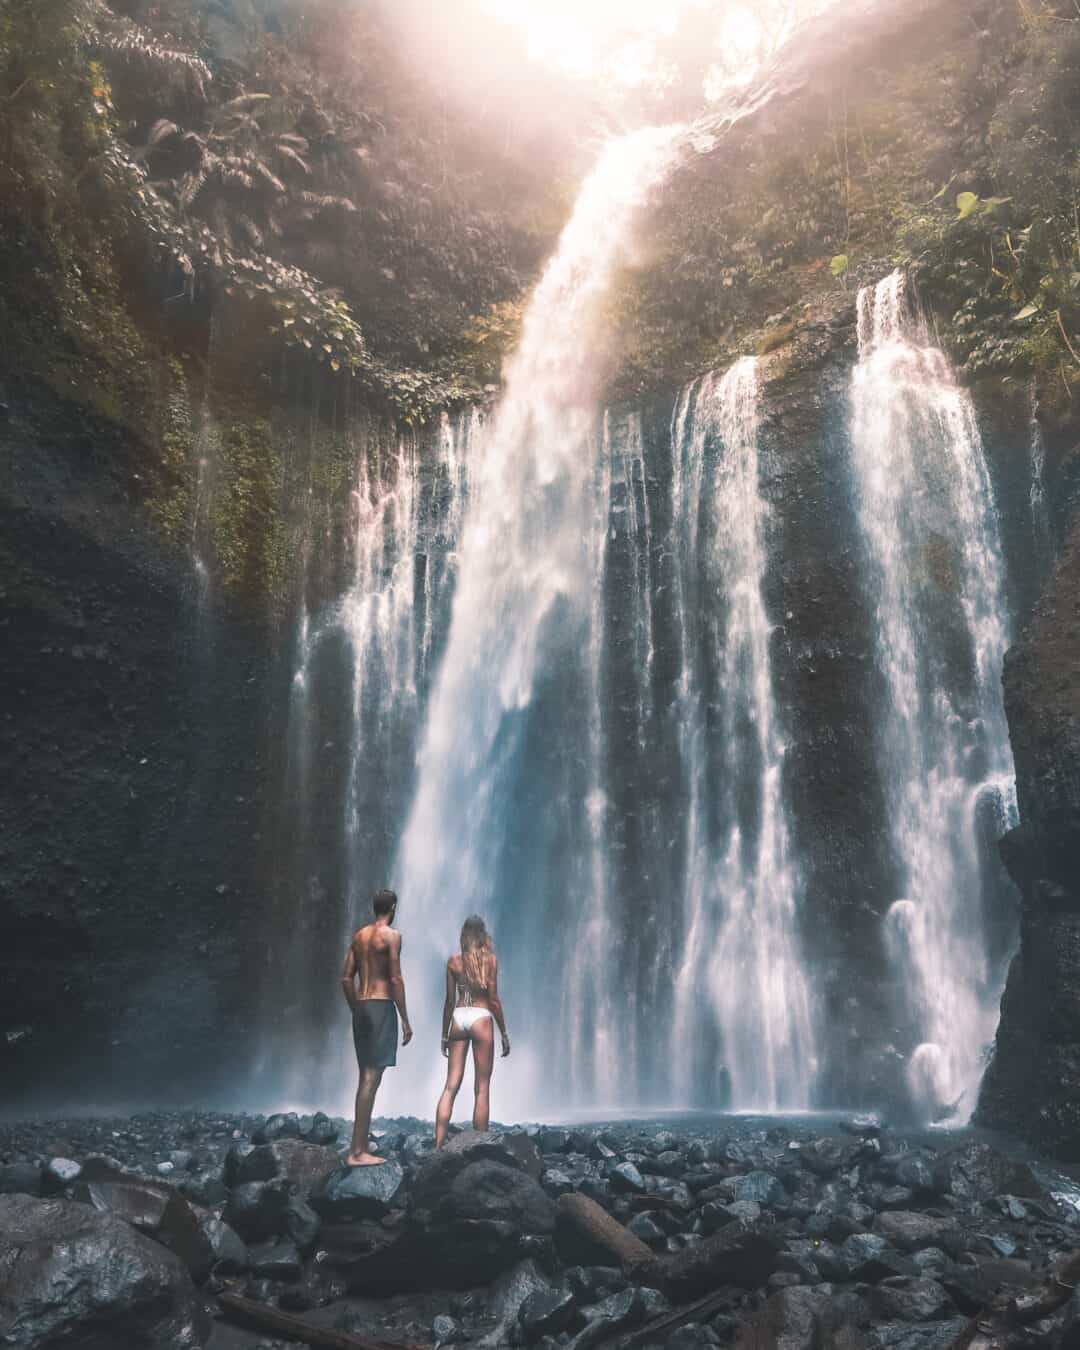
pixel 363 1160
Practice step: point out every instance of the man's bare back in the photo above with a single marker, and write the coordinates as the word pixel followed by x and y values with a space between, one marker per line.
pixel 375 948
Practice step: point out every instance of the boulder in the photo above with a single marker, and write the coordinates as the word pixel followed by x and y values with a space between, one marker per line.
pixel 300 1163
pixel 276 1261
pixel 229 1251
pixel 791 1319
pixel 929 1336
pixel 546 1312
pixel 823 1157
pixel 283 1125
pixel 626 1179
pixel 909 1299
pixel 508 1296
pixel 71 1276
pixel 909 1231
pixel 256 1209
pixel 617 1312
pixel 204 1187
pixel 450 1187
pixel 358 1192
pixel 764 1188
pixel 553 1140
pixel 20 1178
pixel 976 1171
pixel 160 1213
pixel 302 1223
pixel 323 1130
pixel 512 1148
pixel 58 1174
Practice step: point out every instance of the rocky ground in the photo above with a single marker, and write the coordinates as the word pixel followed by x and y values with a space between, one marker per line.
pixel 186 1230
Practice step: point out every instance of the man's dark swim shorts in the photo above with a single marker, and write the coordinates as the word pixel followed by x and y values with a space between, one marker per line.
pixel 375 1033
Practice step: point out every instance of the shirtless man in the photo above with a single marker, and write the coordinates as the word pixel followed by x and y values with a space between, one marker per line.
pixel 375 992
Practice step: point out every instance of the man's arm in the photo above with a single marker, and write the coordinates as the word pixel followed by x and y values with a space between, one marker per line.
pixel 397 987
pixel 348 978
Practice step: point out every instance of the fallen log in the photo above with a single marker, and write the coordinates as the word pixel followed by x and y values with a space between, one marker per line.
pixel 586 1234
pixel 263 1318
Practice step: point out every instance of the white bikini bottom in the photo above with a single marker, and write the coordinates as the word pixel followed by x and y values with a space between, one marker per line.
pixel 466 1018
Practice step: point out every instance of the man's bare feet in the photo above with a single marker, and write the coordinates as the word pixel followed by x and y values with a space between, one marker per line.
pixel 363 1160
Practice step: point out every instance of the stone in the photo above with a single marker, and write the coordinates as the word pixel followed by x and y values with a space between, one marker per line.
pixel 256 1209
pixel 552 1140
pixel 512 1148
pixel 69 1273
pixel 446 1330
pixel 205 1187
pixel 646 1228
pixel 229 1251
pixel 895 1197
pixel 20 1178
pixel 508 1296
pixel 302 1224
pixel 357 1192
pixel 915 1172
pixel 297 1161
pixel 909 1231
pixel 546 1312
pixel 626 1179
pixel 762 1187
pixel 58 1174
pixel 323 1130
pixel 234 1160
pixel 486 1191
pixel 592 1283
pixel 556 1182
pixel 930 1336
pixel 976 1171
pixel 617 1312
pixel 930 1261
pixel 909 1299
pixel 791 1318
pixel 823 1157
pixel 157 1211
pixel 863 1127
pixel 282 1125
pixel 276 1261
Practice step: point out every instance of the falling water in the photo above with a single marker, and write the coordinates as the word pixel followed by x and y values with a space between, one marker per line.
pixel 741 965
pixel 524 587
pixel 927 515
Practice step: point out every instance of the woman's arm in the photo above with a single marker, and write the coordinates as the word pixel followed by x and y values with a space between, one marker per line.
pixel 448 1008
pixel 496 1005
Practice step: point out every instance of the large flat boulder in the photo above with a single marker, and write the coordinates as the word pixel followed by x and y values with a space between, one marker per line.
pixel 358 1192
pixel 73 1278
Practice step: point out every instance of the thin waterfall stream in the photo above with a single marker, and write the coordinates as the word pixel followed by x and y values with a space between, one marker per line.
pixel 935 572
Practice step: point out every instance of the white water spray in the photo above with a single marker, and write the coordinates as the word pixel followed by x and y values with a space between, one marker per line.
pixel 523 592
pixel 741 954
pixel 935 574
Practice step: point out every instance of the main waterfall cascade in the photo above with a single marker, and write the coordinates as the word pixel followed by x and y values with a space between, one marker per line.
pixel 548 685
pixel 935 573
pixel 742 987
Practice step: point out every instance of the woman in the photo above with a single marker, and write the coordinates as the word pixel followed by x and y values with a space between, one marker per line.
pixel 471 1009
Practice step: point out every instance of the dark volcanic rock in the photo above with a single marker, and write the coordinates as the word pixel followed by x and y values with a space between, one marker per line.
pixel 281 1126
pixel 546 1312
pixel 908 1230
pixel 256 1209
pixel 72 1277
pixel 230 1253
pixel 512 1149
pixel 323 1130
pixel 20 1178
pixel 358 1192
pixel 159 1213
pixel 909 1300
pixel 301 1163
pixel 489 1191
pixel 1032 1085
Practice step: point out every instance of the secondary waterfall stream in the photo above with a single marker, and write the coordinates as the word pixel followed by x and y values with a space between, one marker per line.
pixel 935 572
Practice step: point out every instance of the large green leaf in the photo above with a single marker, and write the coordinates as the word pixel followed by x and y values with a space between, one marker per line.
pixel 839 265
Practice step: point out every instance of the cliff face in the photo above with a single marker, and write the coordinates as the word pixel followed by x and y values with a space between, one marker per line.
pixel 1033 1083
pixel 134 781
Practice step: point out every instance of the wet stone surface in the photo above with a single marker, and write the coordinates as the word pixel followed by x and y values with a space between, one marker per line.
pixel 800 1233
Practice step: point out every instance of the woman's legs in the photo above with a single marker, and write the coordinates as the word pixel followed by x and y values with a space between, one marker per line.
pixel 483 1044
pixel 455 1072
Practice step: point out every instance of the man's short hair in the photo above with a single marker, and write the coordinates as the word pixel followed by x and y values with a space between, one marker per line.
pixel 384 902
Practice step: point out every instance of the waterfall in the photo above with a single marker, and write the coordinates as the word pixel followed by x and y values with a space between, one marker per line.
pixel 935 576
pixel 1040 515
pixel 521 608
pixel 741 967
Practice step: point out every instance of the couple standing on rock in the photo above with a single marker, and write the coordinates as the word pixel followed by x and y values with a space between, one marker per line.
pixel 375 992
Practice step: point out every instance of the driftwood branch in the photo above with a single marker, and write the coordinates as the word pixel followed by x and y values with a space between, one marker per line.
pixel 582 1219
pixel 263 1318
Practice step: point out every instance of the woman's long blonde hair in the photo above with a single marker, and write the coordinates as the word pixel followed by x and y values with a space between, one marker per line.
pixel 475 950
